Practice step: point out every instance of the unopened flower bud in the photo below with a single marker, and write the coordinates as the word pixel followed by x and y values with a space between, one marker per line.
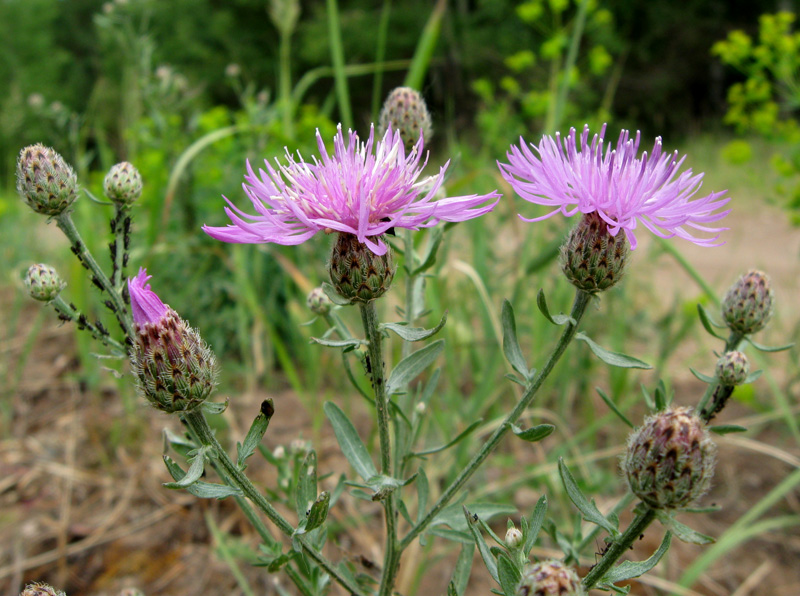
pixel 670 459
pixel 38 589
pixel 732 368
pixel 43 282
pixel 549 578
pixel 592 259
pixel 421 408
pixel 405 111
pixel 123 183
pixel 279 452
pixel 357 273
pixel 46 182
pixel 513 537
pixel 747 307
pixel 175 369
pixel 131 592
pixel 318 302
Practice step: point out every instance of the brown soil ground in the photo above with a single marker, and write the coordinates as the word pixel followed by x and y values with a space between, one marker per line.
pixel 82 506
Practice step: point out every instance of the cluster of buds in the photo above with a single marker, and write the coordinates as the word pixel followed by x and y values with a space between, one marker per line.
pixel 175 369
pixel 46 182
pixel 732 368
pixel 670 459
pixel 43 282
pixel 549 578
pixel 123 183
pixel 405 111
pixel 592 259
pixel 747 307
pixel 357 273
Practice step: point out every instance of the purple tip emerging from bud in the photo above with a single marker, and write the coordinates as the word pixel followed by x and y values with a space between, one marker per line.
pixel 146 305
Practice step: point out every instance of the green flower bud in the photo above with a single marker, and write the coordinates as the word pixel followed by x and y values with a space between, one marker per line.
pixel 38 589
pixel 670 459
pixel 747 306
pixel 405 111
pixel 732 368
pixel 46 182
pixel 318 302
pixel 592 259
pixel 549 578
pixel 513 537
pixel 123 183
pixel 43 282
pixel 357 273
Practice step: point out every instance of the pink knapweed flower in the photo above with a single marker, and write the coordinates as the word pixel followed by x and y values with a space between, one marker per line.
pixel 621 187
pixel 363 189
pixel 145 304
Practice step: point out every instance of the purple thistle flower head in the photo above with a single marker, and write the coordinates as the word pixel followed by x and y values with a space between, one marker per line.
pixel 364 189
pixel 145 304
pixel 621 187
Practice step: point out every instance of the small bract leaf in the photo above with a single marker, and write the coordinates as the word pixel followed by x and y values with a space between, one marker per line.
pixel 535 524
pixel 511 348
pixel 534 433
pixel 724 429
pixel 508 574
pixel 631 569
pixel 763 348
pixel 612 358
pixel 318 512
pixel 613 407
pixel 460 577
pixel 588 510
pixel 708 322
pixel 415 333
pixel 335 297
pixel 338 343
pixel 541 302
pixel 682 532
pixel 483 548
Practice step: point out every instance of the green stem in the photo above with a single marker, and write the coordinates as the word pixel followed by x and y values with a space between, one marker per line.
pixel 578 308
pixel 733 342
pixel 337 55
pixel 198 424
pixel 286 84
pixel 61 307
pixel 380 53
pixel 66 225
pixel 622 504
pixel 619 547
pixel 391 557
pixel 121 214
pixel 572 56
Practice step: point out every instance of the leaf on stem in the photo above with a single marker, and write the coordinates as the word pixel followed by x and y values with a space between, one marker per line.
pixel 724 429
pixel 612 358
pixel 255 434
pixel 763 348
pixel 460 577
pixel 535 524
pixel 703 377
pixel 339 343
pixel 613 407
pixel 508 574
pixel 318 512
pixel 534 433
pixel 429 257
pixel 631 569
pixel 588 509
pixel 511 349
pixel 306 483
pixel 414 333
pixel 213 407
pixel 452 514
pixel 412 365
pixel 463 434
pixel 682 532
pixel 483 548
pixel 203 490
pixel 197 464
pixel 335 297
pixel 350 443
pixel 708 322
pixel 423 489
pixel 541 302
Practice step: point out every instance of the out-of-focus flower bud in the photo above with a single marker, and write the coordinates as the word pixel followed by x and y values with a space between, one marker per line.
pixel 38 589
pixel 318 302
pixel 732 368
pixel 43 282
pixel 747 307
pixel 357 273
pixel 174 367
pixel 46 182
pixel 549 578
pixel 405 111
pixel 123 183
pixel 670 459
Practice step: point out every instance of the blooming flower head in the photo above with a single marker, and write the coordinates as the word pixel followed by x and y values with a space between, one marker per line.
pixel 621 187
pixel 364 189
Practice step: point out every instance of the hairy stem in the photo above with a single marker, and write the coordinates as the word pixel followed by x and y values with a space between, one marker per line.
pixel 578 308
pixel 69 312
pixel 375 369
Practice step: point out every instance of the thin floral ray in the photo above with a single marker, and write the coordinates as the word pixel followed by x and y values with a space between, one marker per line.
pixel 360 188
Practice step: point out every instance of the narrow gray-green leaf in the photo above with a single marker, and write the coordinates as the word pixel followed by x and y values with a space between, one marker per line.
pixel 508 574
pixel 214 407
pixel 610 403
pixel 483 548
pixel 535 524
pixel 631 569
pixel 338 343
pixel 423 489
pixel 463 434
pixel 412 365
pixel 350 443
pixel 335 296
pixel 318 512
pixel 724 429
pixel 541 302
pixel 588 509
pixel 708 322
pixel 197 463
pixel 763 348
pixel 609 357
pixel 451 535
pixel 460 577
pixel 306 483
pixel 534 433
pixel 203 490
pixel 452 514
pixel 752 376
pixel 511 349
pixel 429 257
pixel 256 433
pixel 703 377
pixel 681 531
pixel 415 333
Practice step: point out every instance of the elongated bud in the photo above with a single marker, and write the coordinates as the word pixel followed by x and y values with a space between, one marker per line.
pixel 405 111
pixel 591 258
pixel 747 307
pixel 549 578
pixel 123 183
pixel 43 282
pixel 670 459
pixel 318 302
pixel 174 367
pixel 732 368
pixel 38 589
pixel 46 182
pixel 513 537
pixel 357 273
